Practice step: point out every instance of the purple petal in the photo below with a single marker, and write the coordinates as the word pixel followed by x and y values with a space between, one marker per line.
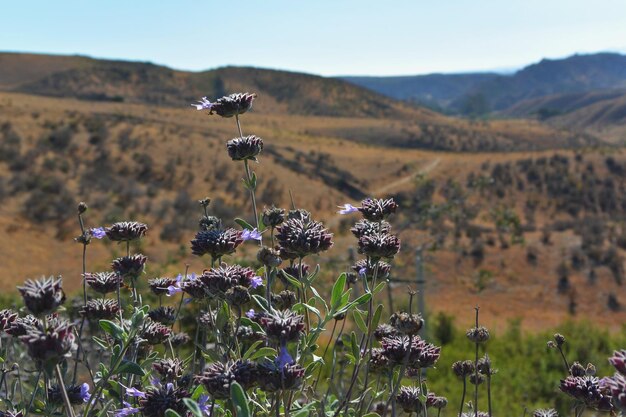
pixel 347 209
pixel 363 271
pixel 256 282
pixel 250 313
pixel 123 412
pixel 84 392
pixel 134 392
pixel 98 232
pixel 173 290
pixel 283 358
pixel 251 234
pixel 203 104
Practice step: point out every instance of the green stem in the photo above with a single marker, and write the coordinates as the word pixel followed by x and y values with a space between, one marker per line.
pixel 66 399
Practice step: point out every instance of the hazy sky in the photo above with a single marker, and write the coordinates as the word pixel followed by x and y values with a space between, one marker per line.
pixel 329 37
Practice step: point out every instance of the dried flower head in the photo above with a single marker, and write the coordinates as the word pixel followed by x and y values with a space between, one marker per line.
pixel 209 223
pixel 284 300
pixel 42 296
pixel 559 339
pixel 436 402
pixel 100 309
pixel 378 361
pixel 169 369
pixel 155 333
pixel 51 345
pixel 195 288
pixel 216 243
pixel 385 330
pixel 462 369
pixel 376 210
pixel 366 227
pixel 126 231
pixel 237 296
pixel 162 398
pixel 159 286
pixel 405 323
pixel 165 315
pixel 484 366
pixel 299 238
pixel 232 105
pixel 478 334
pixel 577 369
pixel 269 257
pixel 244 148
pixel 379 245
pixel 273 216
pixel 409 399
pixel 129 267
pixel 103 282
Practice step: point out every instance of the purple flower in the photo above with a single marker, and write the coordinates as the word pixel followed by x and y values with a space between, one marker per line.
pixel 173 290
pixel 98 232
pixel 203 404
pixel 84 392
pixel 283 358
pixel 203 104
pixel 127 410
pixel 256 282
pixel 250 313
pixel 134 392
pixel 362 272
pixel 347 209
pixel 251 234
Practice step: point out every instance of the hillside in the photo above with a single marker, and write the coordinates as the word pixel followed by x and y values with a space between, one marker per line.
pixel 482 93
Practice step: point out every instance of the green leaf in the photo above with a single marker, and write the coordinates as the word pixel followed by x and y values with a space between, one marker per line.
pixel 379 287
pixel 128 367
pixel 359 320
pixel 292 280
pixel 171 413
pixel 193 407
pixel 377 314
pixel 338 287
pixel 111 328
pixel 238 397
pixel 252 349
pixel 354 345
pixel 244 224
pixel 253 181
pixel 263 352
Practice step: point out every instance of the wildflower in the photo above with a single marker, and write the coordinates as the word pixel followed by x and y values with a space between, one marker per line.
pixel 274 377
pixel 299 238
pixel 385 330
pixel 250 313
pixel 411 350
pixel 588 390
pixel 484 366
pixel 379 245
pixel 159 399
pixel 376 210
pixel 169 369
pixel 203 104
pixel 155 333
pixel 180 339
pixel 194 287
pixel 478 334
pixel 100 309
pixel 378 361
pixel 273 216
pixel 7 317
pixel 49 346
pixel 269 257
pixel 134 392
pixel 127 410
pixel 405 323
pixel 559 339
pixel 616 386
pixel 129 267
pixel 103 282
pixel 126 231
pixel 159 286
pixel 216 243
pixel 436 402
pixel 219 280
pixel 232 105
pixel 42 296
pixel 165 315
pixel 366 269
pixel 237 295
pixel 283 326
pixel 21 325
pixel 251 234
pixel 284 358
pixel 365 227
pixel 98 232
pixel 218 377
pixel 82 207
pixel 244 148
pixel 409 399
pixel 347 209
pixel 209 223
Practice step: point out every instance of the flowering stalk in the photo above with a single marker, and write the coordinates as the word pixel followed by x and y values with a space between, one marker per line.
pixel 476 371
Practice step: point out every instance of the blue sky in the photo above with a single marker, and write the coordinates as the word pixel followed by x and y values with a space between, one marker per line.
pixel 328 37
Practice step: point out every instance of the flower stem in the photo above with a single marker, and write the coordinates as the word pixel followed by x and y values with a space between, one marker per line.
pixel 66 399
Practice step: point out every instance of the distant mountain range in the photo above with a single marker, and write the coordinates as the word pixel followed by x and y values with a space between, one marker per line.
pixel 567 82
